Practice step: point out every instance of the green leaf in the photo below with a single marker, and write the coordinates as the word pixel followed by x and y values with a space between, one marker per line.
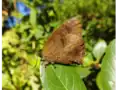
pixel 33 17
pixel 10 37
pixel 83 71
pixel 34 61
pixel 106 77
pixel 55 24
pixel 88 60
pixel 39 32
pixel 51 13
pixel 5 79
pixel 99 49
pixel 61 77
pixel 88 47
pixel 6 83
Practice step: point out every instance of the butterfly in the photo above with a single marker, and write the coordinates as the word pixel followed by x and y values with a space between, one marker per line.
pixel 65 45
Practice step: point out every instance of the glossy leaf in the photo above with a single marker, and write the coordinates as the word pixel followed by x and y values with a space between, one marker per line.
pixel 99 49
pixel 106 77
pixel 60 77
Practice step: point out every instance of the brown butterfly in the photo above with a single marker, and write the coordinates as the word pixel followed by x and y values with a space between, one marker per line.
pixel 65 45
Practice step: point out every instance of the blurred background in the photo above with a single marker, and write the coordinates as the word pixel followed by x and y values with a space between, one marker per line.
pixel 26 25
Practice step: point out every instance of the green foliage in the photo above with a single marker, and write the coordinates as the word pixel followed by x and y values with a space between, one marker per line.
pixel 61 77
pixel 106 77
pixel 33 15
pixel 22 46
pixel 88 60
pixel 99 49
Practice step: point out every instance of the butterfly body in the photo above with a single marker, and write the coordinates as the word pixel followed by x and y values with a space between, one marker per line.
pixel 65 45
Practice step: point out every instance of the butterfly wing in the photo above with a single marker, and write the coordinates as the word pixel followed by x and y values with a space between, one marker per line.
pixel 64 45
pixel 54 45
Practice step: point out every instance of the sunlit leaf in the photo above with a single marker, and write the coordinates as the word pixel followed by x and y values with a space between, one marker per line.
pixel 99 49
pixel 106 77
pixel 83 71
pixel 51 13
pixel 6 82
pixel 39 32
pixel 10 37
pixel 54 24
pixel 60 77
pixel 5 79
pixel 88 60
pixel 33 17
pixel 34 61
